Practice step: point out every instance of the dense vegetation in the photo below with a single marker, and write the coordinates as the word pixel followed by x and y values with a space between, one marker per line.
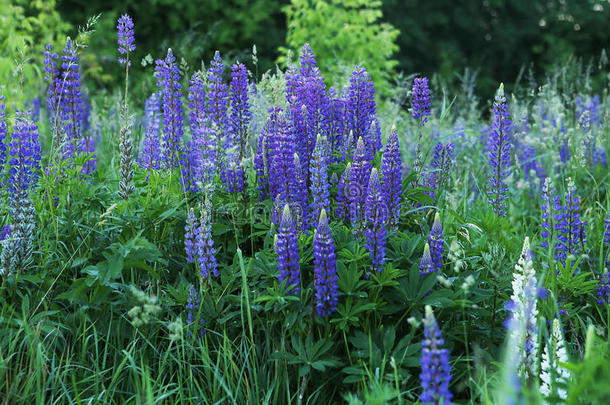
pixel 282 237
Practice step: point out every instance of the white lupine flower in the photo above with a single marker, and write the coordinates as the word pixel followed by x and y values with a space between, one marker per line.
pixel 552 374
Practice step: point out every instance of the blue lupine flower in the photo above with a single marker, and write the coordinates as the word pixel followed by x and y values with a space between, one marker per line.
pixel 24 155
pixel 603 289
pixel 232 174
pixel 356 189
pixel 168 79
pixel 570 228
pixel 71 99
pixel 262 159
pixel 240 108
pixel 287 250
pixel 426 265
pixel 421 100
pixel 436 243
pixel 376 216
pixel 325 271
pixel 196 101
pixel 361 109
pixel 319 179
pixel 336 125
pixel 3 134
pixel 342 192
pixel 126 38
pixel 204 243
pixel 52 76
pixel 299 197
pixel 189 236
pixel 282 171
pixel 435 370
pixel 499 153
pixel 550 201
pixel 192 307
pixel 391 170
pixel 308 61
pixel 217 101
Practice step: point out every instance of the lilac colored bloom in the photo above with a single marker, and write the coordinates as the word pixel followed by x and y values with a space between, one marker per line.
pixel 198 160
pixel 442 162
pixel 24 155
pixel 204 243
pixel 308 61
pixel 318 185
pixel 569 226
pixel 71 99
pixel 550 202
pixel 436 242
pixel 361 109
pixel 282 171
pixel 152 113
pixel 325 271
pixel 193 313
pixel 336 125
pixel 299 197
pixel 232 175
pixel 499 153
pixel 292 78
pixel 126 38
pixel 196 101
pixel 426 265
pixel 262 158
pixel 240 108
pixel 435 370
pixel 342 191
pixel 189 236
pixel 391 170
pixel 217 98
pixel 52 76
pixel 603 289
pixel 287 250
pixel 376 216
pixel 150 154
pixel 3 135
pixel 421 100
pixel 356 189
pixel 607 230
pixel 168 79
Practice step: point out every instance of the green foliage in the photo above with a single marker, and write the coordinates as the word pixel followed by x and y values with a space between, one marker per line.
pixel 342 33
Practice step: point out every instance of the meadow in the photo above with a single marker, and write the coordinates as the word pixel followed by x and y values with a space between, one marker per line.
pixel 237 236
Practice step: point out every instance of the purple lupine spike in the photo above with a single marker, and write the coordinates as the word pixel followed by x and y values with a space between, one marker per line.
pixel 421 100
pixel 198 160
pixel 126 38
pixel 342 191
pixel 603 289
pixel 607 230
pixel 318 184
pixel 262 159
pixel 24 155
pixel 152 113
pixel 391 170
pixel 3 134
pixel 426 265
pixel 376 216
pixel 570 228
pixel 71 99
pixel 361 109
pixel 441 162
pixel 217 100
pixel 168 79
pixel 287 250
pixel 5 233
pixel 356 191
pixel 192 308
pixel 292 82
pixel 52 76
pixel 308 61
pixel 189 236
pixel 150 154
pixel 549 201
pixel 232 174
pixel 196 101
pixel 499 153
pixel 282 172
pixel 430 179
pixel 204 243
pixel 240 108
pixel 86 147
pixel 299 197
pixel 435 370
pixel 375 144
pixel 436 243
pixel 336 125
pixel 325 271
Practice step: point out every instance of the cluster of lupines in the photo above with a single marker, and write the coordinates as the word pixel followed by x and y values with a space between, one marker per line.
pixel 361 110
pixel 24 155
pixel 436 242
pixel 570 229
pixel 319 179
pixel 325 272
pixel 71 99
pixel 356 190
pixel 376 217
pixel 499 146
pixel 391 171
pixel 603 289
pixel 3 134
pixel 287 250
pixel 437 173
pixel 421 112
pixel 435 369
pixel 126 45
pixel 550 203
pixel 198 242
pixel 52 76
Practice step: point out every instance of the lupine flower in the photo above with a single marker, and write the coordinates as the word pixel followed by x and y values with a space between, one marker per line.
pixel 421 100
pixel 342 191
pixel 152 113
pixel 435 370
pixel 240 108
pixel 308 61
pixel 192 307
pixel 319 179
pixel 3 134
pixel 499 152
pixel 196 101
pixel 299 197
pixel 168 79
pixel 126 38
pixel 287 250
pixel 376 216
pixel 391 170
pixel 607 230
pixel 441 162
pixel 325 271
pixel 356 189
pixel 232 174
pixel 436 242
pixel 523 307
pixel 191 161
pixel 426 265
pixel 569 226
pixel 603 289
pixel 71 99
pixel 262 159
pixel 282 171
pixel 24 155
pixel 336 124
pixel 554 377
pixel 189 236
pixel 550 201
pixel 292 79
pixel 217 100
pixel 361 109
pixel 150 153
pixel 52 76
pixel 204 243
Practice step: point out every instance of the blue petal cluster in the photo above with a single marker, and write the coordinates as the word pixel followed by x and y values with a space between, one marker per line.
pixel 376 216
pixel 287 250
pixel 325 271
pixel 436 242
pixel 435 370
pixel 421 100
pixel 499 147
pixel 126 38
